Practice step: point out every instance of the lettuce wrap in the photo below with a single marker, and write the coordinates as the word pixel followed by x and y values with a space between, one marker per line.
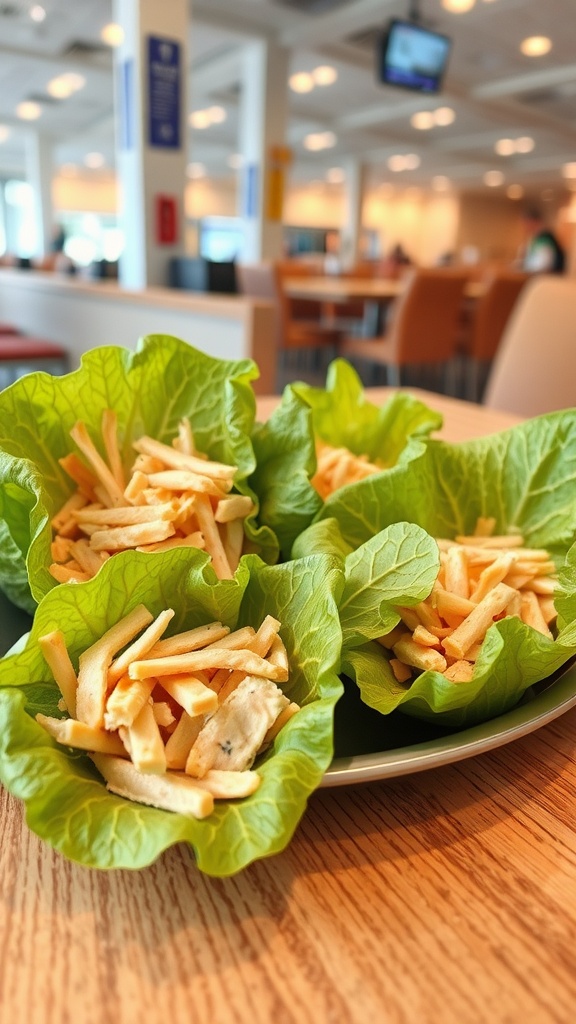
pixel 66 801
pixel 526 478
pixel 150 390
pixel 342 416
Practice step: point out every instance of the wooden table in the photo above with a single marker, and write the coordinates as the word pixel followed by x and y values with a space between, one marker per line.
pixel 327 288
pixel 444 897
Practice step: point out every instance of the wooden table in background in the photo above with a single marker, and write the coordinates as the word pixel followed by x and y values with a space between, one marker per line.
pixel 444 897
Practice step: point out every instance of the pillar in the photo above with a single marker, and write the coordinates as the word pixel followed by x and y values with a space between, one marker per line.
pixel 354 176
pixel 151 68
pixel 265 157
pixel 39 176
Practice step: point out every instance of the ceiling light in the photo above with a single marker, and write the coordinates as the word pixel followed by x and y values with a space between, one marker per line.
pixel 324 75
pixel 444 116
pixel 200 119
pixel 29 111
pixel 59 88
pixel 4 132
pixel 217 115
pixel 422 120
pixel 524 144
pixel 458 6
pixel 569 170
pixel 536 46
pixel 335 175
pixel 514 191
pixel 504 147
pixel 112 34
pixel 235 161
pixel 73 80
pixel 37 13
pixel 196 170
pixel 319 140
pixel 411 161
pixel 440 183
pixel 493 178
pixel 302 81
pixel 94 160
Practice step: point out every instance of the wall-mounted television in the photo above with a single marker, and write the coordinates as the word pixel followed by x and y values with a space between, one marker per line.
pixel 412 57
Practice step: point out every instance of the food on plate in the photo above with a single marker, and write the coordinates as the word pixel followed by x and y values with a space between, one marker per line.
pixel 157 704
pixel 482 579
pixel 176 722
pixel 172 495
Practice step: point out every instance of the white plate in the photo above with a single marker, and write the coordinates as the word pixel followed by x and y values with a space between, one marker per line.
pixel 556 696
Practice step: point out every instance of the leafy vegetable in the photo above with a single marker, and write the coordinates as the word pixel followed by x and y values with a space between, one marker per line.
pixel 66 801
pixel 526 478
pixel 343 416
pixel 150 389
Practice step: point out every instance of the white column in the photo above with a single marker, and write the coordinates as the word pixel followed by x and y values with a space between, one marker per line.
pixel 263 116
pixel 39 176
pixel 151 68
pixel 352 226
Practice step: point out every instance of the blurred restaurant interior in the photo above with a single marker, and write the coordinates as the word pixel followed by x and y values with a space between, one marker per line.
pixel 274 141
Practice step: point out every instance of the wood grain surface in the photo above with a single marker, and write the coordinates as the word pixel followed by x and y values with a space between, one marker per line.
pixel 444 897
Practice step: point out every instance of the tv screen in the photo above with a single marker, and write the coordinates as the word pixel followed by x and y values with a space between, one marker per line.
pixel 412 56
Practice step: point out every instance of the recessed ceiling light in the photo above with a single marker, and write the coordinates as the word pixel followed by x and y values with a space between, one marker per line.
pixel 73 80
pixel 94 160
pixel 493 178
pixel 458 6
pixel 569 170
pixel 444 116
pixel 59 88
pixel 335 175
pixel 200 119
pixel 112 34
pixel 37 13
pixel 536 46
pixel 504 147
pixel 422 120
pixel 217 115
pixel 4 132
pixel 514 191
pixel 235 161
pixel 29 111
pixel 319 140
pixel 325 74
pixel 302 81
pixel 524 144
pixel 411 161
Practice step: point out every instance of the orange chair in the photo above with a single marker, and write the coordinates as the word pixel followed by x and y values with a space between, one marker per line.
pixel 308 340
pixel 423 331
pixel 489 317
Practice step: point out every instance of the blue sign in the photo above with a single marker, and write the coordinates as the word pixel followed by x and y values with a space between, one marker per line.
pixel 251 190
pixel 164 88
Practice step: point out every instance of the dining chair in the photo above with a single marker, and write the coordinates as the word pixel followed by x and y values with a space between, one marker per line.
pixel 302 342
pixel 489 314
pixel 533 371
pixel 422 332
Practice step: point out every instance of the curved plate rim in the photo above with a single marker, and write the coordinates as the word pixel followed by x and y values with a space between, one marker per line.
pixel 552 702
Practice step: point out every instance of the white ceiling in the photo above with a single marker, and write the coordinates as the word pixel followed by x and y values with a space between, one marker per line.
pixel 495 91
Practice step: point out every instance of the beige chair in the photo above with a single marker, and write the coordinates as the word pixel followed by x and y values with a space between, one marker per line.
pixel 534 370
pixel 423 332
pixel 489 315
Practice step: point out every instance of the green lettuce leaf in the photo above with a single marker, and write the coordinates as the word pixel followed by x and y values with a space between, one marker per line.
pixel 285 461
pixel 344 417
pixel 66 801
pixel 150 389
pixel 526 478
